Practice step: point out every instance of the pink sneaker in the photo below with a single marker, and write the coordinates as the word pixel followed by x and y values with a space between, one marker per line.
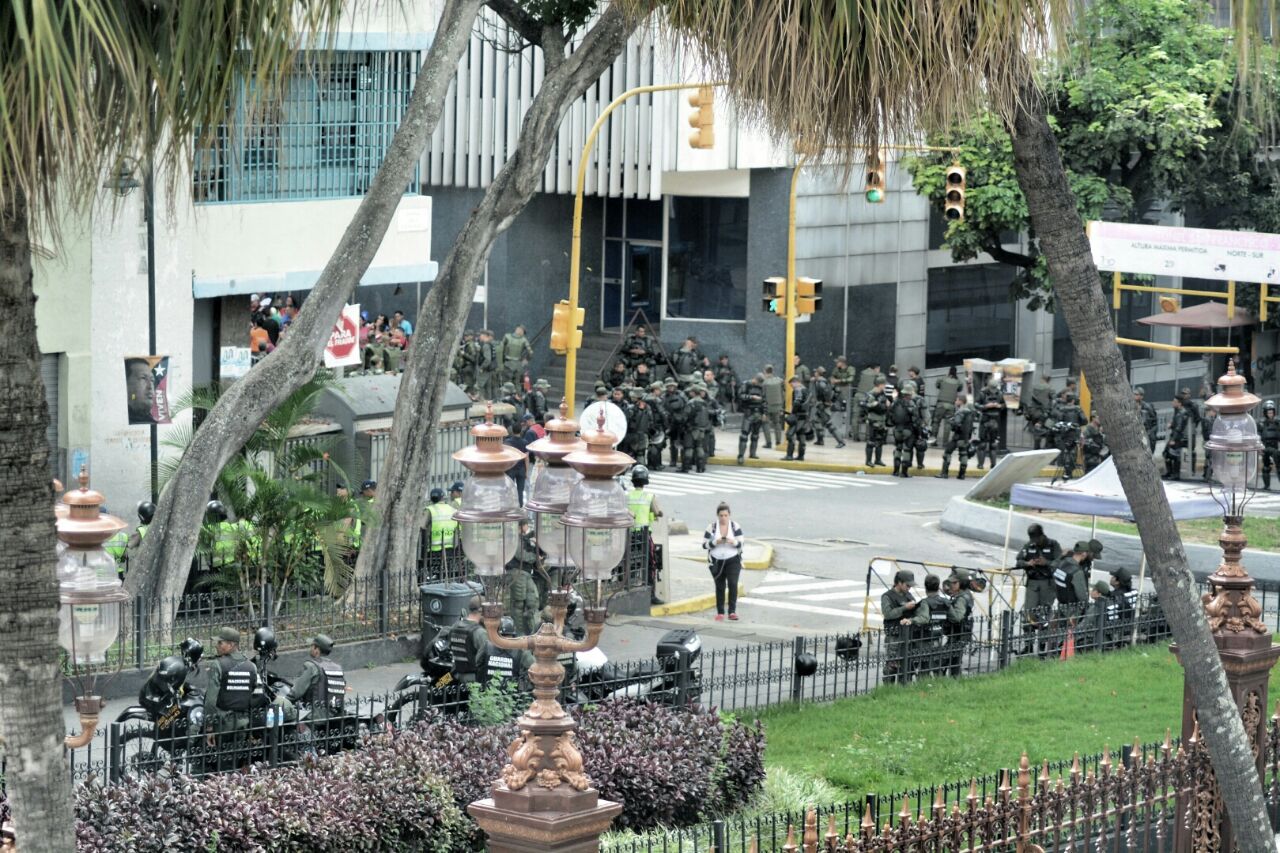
pixel 733 617
pixel 719 617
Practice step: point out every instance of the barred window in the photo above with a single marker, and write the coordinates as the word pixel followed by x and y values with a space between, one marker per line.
pixel 322 136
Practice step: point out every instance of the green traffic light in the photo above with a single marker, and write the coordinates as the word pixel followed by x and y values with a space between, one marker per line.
pixel 875 196
pixel 773 306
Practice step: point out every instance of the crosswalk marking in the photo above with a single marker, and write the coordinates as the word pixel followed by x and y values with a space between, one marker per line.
pixel 720 480
pixel 812 585
pixel 803 608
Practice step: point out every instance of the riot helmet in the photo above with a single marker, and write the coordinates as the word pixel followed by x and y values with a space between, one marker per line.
pixel 192 650
pixel 507 627
pixel 264 642
pixel 214 511
pixel 639 476
pixel 146 512
pixel 171 672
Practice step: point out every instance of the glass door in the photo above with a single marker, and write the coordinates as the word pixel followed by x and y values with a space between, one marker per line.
pixel 643 279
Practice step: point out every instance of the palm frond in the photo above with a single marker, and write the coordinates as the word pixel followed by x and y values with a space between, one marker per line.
pixel 861 73
pixel 82 83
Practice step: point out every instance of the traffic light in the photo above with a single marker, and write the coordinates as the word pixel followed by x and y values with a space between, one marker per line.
pixel 702 119
pixel 808 295
pixel 565 331
pixel 775 295
pixel 875 178
pixel 953 206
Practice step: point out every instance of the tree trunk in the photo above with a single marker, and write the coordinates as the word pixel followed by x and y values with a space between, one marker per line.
pixel 1077 287
pixel 31 729
pixel 391 541
pixel 159 571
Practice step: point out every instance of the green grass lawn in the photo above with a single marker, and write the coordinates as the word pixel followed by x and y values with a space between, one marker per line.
pixel 940 730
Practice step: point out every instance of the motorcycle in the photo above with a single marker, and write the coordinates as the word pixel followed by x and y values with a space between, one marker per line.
pixel 671 678
pixel 168 720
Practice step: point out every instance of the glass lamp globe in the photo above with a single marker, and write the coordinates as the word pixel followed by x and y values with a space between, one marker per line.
pixel 89 619
pixel 600 519
pixel 548 499
pixel 1234 444
pixel 489 520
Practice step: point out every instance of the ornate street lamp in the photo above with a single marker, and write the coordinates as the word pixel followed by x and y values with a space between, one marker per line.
pixel 90 592
pixel 551 487
pixel 544 800
pixel 1234 444
pixel 490 514
pixel 598 519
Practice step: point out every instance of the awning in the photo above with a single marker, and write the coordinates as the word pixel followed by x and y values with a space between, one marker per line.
pixel 1206 315
pixel 1099 493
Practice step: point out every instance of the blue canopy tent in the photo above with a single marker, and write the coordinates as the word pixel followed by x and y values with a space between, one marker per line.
pixel 1099 493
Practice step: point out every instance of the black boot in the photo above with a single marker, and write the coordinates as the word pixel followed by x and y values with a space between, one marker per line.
pixel 818 441
pixel 960 475
pixel 1266 480
pixel 790 452
pixel 869 455
pixel 946 465
pixel 906 468
pixel 800 454
pixel 879 459
pixel 742 449
pixel 752 454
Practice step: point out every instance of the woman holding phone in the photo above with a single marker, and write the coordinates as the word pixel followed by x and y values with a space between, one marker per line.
pixel 723 541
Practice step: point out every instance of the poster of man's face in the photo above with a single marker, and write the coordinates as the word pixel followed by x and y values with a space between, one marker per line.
pixel 146 385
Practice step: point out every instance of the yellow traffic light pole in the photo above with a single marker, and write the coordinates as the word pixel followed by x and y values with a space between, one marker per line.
pixel 789 368
pixel 575 256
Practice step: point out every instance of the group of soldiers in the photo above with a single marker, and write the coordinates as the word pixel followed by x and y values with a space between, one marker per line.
pixel 1061 599
pixel 483 366
pixel 1056 420
pixel 929 635
pixel 674 417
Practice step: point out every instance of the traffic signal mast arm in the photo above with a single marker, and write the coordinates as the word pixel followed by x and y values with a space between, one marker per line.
pixel 575 255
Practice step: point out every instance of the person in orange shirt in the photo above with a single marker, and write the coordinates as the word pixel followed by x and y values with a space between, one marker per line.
pixel 259 340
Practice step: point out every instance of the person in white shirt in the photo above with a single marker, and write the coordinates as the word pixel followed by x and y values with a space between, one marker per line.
pixel 723 540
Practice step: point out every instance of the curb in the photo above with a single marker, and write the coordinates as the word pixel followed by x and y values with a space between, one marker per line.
pixel 845 468
pixel 687 605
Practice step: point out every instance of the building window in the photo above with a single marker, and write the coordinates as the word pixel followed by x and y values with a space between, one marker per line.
pixel 323 135
pixel 707 259
pixel 970 315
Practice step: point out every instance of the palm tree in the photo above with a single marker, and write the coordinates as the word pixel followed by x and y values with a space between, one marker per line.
pixel 867 73
pixel 291 530
pixel 82 84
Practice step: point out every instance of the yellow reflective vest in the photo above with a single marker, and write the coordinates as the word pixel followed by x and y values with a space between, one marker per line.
pixel 640 503
pixel 444 530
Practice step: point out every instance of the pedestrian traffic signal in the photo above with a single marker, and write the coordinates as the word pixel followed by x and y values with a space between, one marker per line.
pixel 875 178
pixel 808 295
pixel 953 205
pixel 775 295
pixel 702 119
pixel 565 327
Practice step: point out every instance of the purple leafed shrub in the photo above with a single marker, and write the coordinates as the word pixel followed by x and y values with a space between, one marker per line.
pixel 384 797
pixel 409 790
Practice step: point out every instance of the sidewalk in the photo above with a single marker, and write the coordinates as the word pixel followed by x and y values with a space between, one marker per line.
pixel 849 459
pixel 690 586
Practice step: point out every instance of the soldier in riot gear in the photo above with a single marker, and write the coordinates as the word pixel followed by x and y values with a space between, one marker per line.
pixel 700 422
pixel 676 406
pixel 751 402
pixel 949 388
pixel 1269 432
pixel 522 598
pixel 922 431
pixel 798 419
pixel 960 434
pixel 469 645
pixel 228 696
pixel 875 410
pixel 842 382
pixel 1123 604
pixel 907 422
pixel 1071 586
pixel 727 382
pixel 1037 560
pixel 1179 425
pixel 959 624
pixel 640 349
pixel 1094 443
pixel 466 359
pixel 990 403
pixel 1066 434
pixel 824 397
pixel 321 685
pixel 1150 421
pixel 930 637
pixel 641 422
pixel 901 613
pixel 658 435
pixel 1207 417
pixel 1037 412
pixel 535 400
pixel 775 398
